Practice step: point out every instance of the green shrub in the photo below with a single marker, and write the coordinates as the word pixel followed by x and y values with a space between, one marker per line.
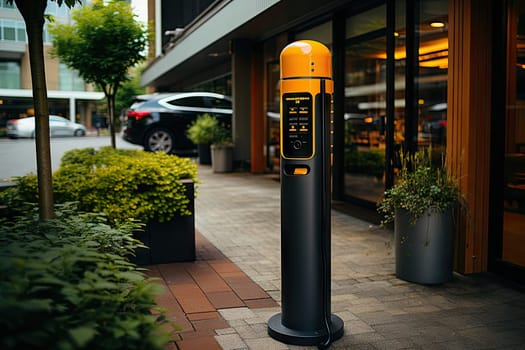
pixel 365 162
pixel 21 197
pixel 421 185
pixel 65 284
pixel 119 183
pixel 206 129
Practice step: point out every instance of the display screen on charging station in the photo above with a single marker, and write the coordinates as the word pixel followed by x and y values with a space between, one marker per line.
pixel 297 126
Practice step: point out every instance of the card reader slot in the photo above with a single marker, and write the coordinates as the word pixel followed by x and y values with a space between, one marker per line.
pixel 296 169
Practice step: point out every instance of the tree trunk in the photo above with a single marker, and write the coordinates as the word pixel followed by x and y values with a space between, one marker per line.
pixel 33 13
pixel 111 113
pixel 110 93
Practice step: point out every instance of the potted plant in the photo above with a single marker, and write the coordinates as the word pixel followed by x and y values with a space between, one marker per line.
pixel 202 132
pixel 222 150
pixel 421 205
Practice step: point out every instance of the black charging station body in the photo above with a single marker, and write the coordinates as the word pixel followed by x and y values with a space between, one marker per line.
pixel 306 90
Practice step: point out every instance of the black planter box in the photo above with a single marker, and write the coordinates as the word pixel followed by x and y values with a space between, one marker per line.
pixel 204 154
pixel 170 241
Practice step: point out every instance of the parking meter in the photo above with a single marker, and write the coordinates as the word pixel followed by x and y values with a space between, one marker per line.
pixel 306 89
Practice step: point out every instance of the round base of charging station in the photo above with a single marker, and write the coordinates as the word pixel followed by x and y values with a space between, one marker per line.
pixel 277 331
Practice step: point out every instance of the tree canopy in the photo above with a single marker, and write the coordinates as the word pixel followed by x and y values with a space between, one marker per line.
pixel 102 43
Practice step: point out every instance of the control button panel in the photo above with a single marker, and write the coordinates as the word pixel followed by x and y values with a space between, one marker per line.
pixel 297 125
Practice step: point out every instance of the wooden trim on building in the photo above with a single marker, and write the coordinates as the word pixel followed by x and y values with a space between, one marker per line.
pixel 468 125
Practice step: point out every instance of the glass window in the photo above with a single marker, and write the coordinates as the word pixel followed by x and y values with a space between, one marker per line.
pixel 321 33
pixel 69 80
pixel 5 4
pixel 514 163
pixel 221 85
pixel 196 101
pixel 21 32
pixel 432 32
pixel 9 75
pixel 366 22
pixel 365 105
pixel 423 120
pixel 8 30
pixel 219 103
pixel 430 76
pixel 12 30
pixel 273 114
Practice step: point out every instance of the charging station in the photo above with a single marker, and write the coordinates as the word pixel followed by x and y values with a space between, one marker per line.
pixel 306 90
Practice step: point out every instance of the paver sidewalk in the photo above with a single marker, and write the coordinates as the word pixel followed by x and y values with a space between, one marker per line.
pixel 239 214
pixel 194 291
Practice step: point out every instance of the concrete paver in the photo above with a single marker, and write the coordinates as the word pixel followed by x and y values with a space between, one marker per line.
pixel 239 213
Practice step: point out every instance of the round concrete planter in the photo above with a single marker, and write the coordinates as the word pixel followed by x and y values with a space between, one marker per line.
pixel 424 250
pixel 222 158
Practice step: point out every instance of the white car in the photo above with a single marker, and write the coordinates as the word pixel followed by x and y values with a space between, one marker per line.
pixel 58 126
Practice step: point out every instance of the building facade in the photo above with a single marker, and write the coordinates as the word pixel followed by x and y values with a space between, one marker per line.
pixel 407 74
pixel 68 95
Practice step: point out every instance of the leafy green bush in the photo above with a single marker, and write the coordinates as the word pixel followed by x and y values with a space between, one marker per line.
pixel 119 183
pixel 65 284
pixel 365 162
pixel 206 129
pixel 420 185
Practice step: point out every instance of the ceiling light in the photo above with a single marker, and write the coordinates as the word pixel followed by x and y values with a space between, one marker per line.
pixel 437 24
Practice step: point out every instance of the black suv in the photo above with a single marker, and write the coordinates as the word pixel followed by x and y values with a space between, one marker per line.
pixel 159 121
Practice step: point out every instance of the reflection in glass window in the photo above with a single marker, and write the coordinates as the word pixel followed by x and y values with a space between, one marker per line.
pixel 428 125
pixel 219 103
pixel 11 30
pixel 8 30
pixel 365 105
pixel 365 91
pixel 21 32
pixel 9 75
pixel 69 80
pixel 273 116
pixel 432 32
pixel 197 102
pixel 5 4
pixel 514 162
pixel 321 33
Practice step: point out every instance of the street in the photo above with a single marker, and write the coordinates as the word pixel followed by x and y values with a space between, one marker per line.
pixel 18 157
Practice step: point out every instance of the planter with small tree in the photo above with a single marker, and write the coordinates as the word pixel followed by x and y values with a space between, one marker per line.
pixel 202 132
pixel 421 204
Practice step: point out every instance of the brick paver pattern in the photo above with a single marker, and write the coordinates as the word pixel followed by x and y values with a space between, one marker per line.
pixel 239 213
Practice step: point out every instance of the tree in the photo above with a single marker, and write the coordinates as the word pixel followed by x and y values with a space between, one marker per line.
pixel 126 94
pixel 102 44
pixel 33 13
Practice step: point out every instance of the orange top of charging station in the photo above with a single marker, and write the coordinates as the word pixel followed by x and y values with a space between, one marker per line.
pixel 306 59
